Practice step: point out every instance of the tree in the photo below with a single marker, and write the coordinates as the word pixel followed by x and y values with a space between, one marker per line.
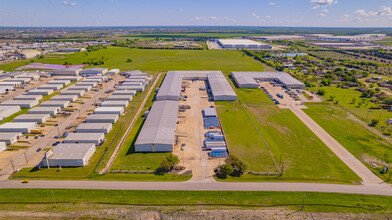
pixel 129 60
pixel 374 123
pixel 173 161
pixel 225 169
pixel 239 167
pixel 321 92
pixel 167 164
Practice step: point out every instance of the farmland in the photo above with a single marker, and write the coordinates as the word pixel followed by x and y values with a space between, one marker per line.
pixel 156 60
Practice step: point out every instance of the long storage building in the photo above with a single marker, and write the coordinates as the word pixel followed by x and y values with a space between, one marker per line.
pixel 69 155
pixel 119 98
pixel 123 104
pixel 82 138
pixel 10 137
pixel 20 103
pixel 158 132
pixel 38 118
pixel 40 92
pixel 109 110
pixel 28 97
pixel 249 79
pixel 70 98
pixel 44 110
pixel 94 128
pixel 61 104
pixel 6 111
pixel 23 127
pixel 102 118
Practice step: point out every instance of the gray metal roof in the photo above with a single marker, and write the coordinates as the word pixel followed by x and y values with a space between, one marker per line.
pixel 243 78
pixel 171 86
pixel 85 136
pixel 102 116
pixel 71 151
pixel 32 116
pixel 160 124
pixel 94 126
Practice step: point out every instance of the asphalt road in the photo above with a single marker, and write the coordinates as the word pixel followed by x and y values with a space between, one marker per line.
pixel 367 176
pixel 47 141
pixel 379 189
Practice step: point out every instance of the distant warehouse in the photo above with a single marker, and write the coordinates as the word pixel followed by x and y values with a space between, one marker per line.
pixel 94 72
pixel 220 88
pixel 6 111
pixel 23 127
pixel 69 155
pixel 44 110
pixel 20 103
pixel 109 110
pixel 61 104
pixel 242 44
pixel 10 137
pixel 67 72
pixel 249 79
pixel 157 134
pixel 28 97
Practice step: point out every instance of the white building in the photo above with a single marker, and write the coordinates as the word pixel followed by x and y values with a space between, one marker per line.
pixel 67 72
pixel 23 127
pixel 94 128
pixel 38 118
pixel 84 138
pixel 69 155
pixel 109 110
pixel 10 137
pixel 94 72
pixel 242 44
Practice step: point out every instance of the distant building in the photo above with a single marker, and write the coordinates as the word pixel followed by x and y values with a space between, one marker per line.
pixel 69 155
pixel 94 72
pixel 70 49
pixel 67 72
pixel 242 44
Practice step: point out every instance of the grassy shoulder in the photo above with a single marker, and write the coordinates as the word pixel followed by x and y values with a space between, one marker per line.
pixel 313 202
pixel 289 140
pixel 369 148
pixel 156 60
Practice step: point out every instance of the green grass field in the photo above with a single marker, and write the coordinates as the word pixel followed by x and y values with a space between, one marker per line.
pixel 157 60
pixel 363 144
pixel 361 107
pixel 313 202
pixel 286 136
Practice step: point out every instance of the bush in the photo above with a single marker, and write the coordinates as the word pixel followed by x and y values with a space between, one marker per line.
pixel 321 92
pixel 167 165
pixel 225 170
pixel 239 167
pixel 374 123
pixel 129 60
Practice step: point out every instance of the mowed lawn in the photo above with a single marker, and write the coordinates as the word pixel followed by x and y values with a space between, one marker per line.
pixel 369 148
pixel 158 60
pixel 304 156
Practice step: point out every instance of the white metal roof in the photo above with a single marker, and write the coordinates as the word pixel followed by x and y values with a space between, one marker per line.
pixel 71 151
pixel 239 42
pixel 250 77
pixel 160 125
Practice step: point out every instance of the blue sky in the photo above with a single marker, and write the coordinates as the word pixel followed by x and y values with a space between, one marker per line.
pixel 303 13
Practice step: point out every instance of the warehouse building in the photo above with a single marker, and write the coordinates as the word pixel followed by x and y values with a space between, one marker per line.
pixel 62 82
pixel 85 138
pixel 38 118
pixel 23 127
pixel 67 72
pixel 40 92
pixel 137 88
pixel 124 92
pixel 242 44
pixel 44 110
pixel 134 80
pixel 30 76
pixel 4 89
pixel 92 84
pixel 6 111
pixel 220 88
pixel 109 110
pixel 69 155
pixel 80 87
pixel 3 146
pixel 72 92
pixel 94 72
pixel 132 84
pixel 119 98
pixel 10 137
pixel 94 128
pixel 113 71
pixel 157 134
pixel 61 104
pixel 70 78
pixel 20 103
pixel 51 86
pixel 249 79
pixel 21 80
pixel 103 78
pixel 89 80
pixel 70 98
pixel 102 118
pixel 133 73
pixel 123 104
pixel 13 84
pixel 28 97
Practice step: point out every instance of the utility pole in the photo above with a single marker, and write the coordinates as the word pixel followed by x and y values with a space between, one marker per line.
pixel 54 199
pixel 12 164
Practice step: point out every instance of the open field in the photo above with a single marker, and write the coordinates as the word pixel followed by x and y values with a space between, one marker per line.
pixel 313 202
pixel 360 107
pixel 370 149
pixel 157 60
pixel 286 136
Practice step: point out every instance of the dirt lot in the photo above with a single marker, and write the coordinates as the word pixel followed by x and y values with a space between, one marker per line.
pixel 136 212
pixel 190 132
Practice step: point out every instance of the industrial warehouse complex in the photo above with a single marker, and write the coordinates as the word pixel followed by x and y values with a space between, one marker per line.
pixel 252 79
pixel 242 44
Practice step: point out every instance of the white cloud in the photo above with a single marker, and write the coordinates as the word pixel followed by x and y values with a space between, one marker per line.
pixel 323 3
pixel 255 15
pixel 197 18
pixel 180 10
pixel 323 13
pixel 272 3
pixel 384 11
pixel 212 18
pixel 364 13
pixel 201 18
pixel 69 3
pixel 268 16
pixel 172 11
